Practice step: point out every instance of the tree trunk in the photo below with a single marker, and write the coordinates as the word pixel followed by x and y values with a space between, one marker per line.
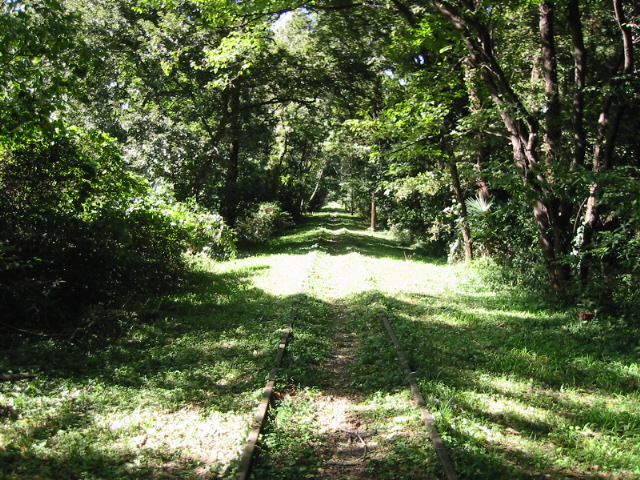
pixel 608 127
pixel 464 227
pixel 232 197
pixel 352 201
pixel 580 72
pixel 483 152
pixel 215 135
pixel 317 187
pixel 373 211
pixel 551 111
pixel 233 172
pixel 550 209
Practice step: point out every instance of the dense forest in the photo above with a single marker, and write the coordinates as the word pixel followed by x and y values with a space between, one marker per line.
pixel 135 135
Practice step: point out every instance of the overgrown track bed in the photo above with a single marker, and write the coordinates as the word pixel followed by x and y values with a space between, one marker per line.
pixel 328 424
pixel 425 413
pixel 518 390
pixel 349 444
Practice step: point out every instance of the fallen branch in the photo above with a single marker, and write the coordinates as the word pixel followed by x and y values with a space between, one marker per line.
pixel 21 330
pixel 359 437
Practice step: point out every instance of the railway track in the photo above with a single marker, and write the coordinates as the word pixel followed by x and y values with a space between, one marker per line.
pixel 348 443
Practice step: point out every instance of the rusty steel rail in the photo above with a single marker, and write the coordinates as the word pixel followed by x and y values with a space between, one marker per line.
pixel 261 414
pixel 427 416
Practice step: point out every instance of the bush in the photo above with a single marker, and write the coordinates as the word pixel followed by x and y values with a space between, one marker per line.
pixel 267 221
pixel 196 230
pixel 403 235
pixel 76 229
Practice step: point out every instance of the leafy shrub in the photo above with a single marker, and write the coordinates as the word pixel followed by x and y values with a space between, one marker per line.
pixel 76 228
pixel 267 221
pixel 401 234
pixel 198 231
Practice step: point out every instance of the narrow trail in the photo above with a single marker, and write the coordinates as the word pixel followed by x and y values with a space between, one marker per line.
pixel 345 433
pixel 349 420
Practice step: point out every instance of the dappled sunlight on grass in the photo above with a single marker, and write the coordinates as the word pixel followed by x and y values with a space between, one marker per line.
pixel 519 376
pixel 285 274
pixel 519 390
pixel 174 432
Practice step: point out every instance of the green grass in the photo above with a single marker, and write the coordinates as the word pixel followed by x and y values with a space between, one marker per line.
pixel 520 390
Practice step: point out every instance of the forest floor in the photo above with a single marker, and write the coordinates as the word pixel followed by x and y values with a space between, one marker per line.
pixel 519 390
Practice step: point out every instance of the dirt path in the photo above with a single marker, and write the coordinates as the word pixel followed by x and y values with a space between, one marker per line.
pixel 344 450
pixel 345 433
pixel 351 436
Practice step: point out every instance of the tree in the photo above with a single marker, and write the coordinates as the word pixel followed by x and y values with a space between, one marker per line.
pixel 40 62
pixel 536 108
pixel 77 226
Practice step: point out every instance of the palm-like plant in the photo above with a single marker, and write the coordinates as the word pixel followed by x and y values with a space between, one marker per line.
pixel 479 205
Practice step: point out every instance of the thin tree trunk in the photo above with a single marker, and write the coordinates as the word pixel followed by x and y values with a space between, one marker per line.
pixel 202 173
pixel 285 150
pixel 580 72
pixel 232 199
pixel 608 127
pixel 373 211
pixel 464 227
pixel 352 201
pixel 551 111
pixel 233 173
pixel 317 187
pixel 483 152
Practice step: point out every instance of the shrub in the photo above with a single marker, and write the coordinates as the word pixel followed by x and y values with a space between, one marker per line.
pixel 401 234
pixel 76 229
pixel 265 222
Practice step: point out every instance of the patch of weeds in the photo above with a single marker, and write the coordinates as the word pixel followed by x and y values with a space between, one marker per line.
pixel 409 457
pixel 376 364
pixel 290 439
pixel 401 445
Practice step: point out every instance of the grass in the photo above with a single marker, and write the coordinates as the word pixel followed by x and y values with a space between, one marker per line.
pixel 519 389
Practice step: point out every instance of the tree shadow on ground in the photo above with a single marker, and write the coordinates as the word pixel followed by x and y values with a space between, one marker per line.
pixel 494 371
pixel 211 348
pixel 486 362
pixel 208 350
pixel 341 234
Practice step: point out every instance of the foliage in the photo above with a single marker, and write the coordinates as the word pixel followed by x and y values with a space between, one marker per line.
pixel 78 229
pixel 132 396
pixel 402 235
pixel 613 257
pixel 41 60
pixel 267 221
